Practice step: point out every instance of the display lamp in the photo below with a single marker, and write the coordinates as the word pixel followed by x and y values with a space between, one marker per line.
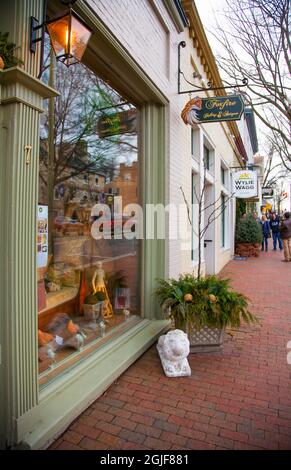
pixel 69 36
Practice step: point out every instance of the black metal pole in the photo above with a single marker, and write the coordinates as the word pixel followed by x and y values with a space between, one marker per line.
pixel 197 89
pixel 42 39
pixel 181 44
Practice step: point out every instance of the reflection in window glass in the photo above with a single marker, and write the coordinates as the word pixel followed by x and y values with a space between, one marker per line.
pixel 88 288
pixel 223 179
pixel 223 228
pixel 206 157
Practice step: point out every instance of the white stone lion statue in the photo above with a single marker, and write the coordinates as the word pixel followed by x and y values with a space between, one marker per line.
pixel 173 349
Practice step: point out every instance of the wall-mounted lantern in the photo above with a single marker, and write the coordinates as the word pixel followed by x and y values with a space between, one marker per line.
pixel 69 36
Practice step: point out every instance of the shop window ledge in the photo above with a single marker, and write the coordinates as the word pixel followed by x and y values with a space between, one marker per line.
pixel 53 299
pixel 62 401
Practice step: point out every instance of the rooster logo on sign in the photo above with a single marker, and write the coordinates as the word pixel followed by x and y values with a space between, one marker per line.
pixel 190 111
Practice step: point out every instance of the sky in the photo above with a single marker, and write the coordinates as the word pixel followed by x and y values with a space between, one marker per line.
pixel 207 10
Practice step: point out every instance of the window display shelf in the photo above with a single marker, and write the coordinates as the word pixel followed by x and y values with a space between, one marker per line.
pixel 54 299
pixel 66 358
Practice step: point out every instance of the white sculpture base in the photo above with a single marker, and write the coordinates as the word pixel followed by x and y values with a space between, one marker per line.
pixel 173 349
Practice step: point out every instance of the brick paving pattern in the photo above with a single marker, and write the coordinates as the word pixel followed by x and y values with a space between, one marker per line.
pixel 236 399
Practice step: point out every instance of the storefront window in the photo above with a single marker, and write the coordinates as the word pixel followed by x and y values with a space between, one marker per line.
pixel 88 284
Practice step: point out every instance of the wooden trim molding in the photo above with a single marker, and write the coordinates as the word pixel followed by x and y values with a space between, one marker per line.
pixel 18 86
pixel 176 17
pixel 17 75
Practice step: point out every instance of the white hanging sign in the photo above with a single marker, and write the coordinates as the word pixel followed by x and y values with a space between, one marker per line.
pixel 42 236
pixel 245 184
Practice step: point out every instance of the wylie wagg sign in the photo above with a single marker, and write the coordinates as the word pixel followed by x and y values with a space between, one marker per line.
pixel 215 109
pixel 245 184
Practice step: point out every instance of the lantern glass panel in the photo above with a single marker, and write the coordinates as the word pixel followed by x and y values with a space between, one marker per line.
pixel 69 38
pixel 58 31
pixel 80 36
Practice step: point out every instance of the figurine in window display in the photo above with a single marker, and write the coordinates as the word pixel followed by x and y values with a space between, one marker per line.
pixel 76 341
pixel 52 286
pixel 44 346
pixel 44 338
pixel 102 328
pixel 126 313
pixel 98 284
pixel 51 355
pixel 62 326
pixel 61 332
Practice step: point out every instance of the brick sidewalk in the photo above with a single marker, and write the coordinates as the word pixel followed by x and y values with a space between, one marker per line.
pixel 237 399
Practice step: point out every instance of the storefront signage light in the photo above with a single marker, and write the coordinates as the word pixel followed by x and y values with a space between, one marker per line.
pixel 69 36
pixel 217 109
pixel 245 184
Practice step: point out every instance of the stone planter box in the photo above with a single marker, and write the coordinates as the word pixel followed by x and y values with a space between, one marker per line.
pixel 247 249
pixel 205 340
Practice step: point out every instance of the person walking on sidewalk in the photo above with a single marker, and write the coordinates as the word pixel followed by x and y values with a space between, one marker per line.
pixel 266 232
pixel 256 217
pixel 274 226
pixel 285 231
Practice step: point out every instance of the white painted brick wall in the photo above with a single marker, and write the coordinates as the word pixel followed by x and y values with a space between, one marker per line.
pixel 153 43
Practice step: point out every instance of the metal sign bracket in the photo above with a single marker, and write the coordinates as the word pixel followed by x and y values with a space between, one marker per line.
pixel 209 87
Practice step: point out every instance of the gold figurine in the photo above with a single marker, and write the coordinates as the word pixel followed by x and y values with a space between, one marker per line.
pixel 98 284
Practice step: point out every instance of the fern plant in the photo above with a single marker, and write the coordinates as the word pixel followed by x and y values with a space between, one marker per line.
pixel 7 50
pixel 207 301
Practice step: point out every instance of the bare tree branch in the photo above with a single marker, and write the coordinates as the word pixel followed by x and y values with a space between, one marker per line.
pixel 256 44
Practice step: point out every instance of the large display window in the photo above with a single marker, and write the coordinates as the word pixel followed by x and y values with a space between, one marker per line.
pixel 87 246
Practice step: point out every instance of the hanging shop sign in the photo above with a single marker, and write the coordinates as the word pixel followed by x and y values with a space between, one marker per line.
pixel 42 236
pixel 217 109
pixel 267 206
pixel 124 122
pixel 245 184
pixel 267 192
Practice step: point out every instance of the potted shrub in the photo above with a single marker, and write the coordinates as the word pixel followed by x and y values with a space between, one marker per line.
pixel 7 49
pixel 93 306
pixel 248 237
pixel 203 308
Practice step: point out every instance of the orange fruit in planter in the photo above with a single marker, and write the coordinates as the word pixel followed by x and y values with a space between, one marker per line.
pixel 212 298
pixel 2 65
pixel 188 297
